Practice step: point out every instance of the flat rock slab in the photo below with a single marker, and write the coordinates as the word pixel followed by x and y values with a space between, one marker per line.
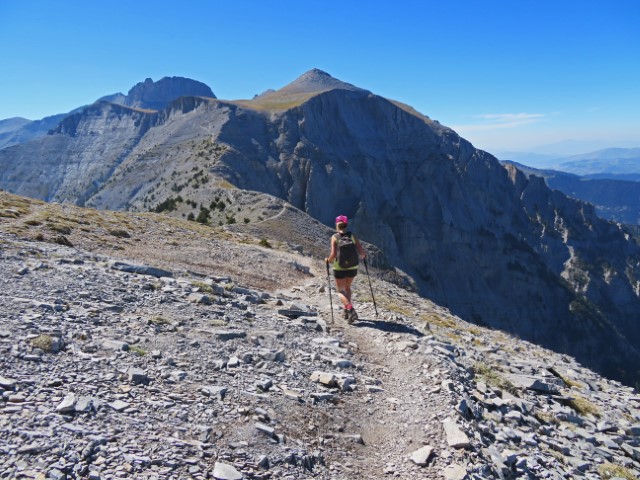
pixel 454 472
pixel 421 456
pixel 538 384
pixel 140 269
pixel 229 334
pixel 456 438
pixel 223 471
pixel 297 313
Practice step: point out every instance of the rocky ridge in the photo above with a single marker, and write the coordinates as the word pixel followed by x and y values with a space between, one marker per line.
pixel 122 363
pixel 147 95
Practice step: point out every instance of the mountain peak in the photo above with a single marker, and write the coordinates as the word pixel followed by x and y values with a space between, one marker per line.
pixel 307 85
pixel 156 95
pixel 316 80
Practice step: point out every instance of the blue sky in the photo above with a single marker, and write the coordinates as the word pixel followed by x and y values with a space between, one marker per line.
pixel 506 75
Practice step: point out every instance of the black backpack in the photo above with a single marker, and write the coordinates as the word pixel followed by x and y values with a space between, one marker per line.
pixel 347 251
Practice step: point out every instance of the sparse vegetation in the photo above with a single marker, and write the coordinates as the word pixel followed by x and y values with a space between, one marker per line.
pixel 63 229
pixel 43 342
pixel 265 243
pixel 204 216
pixel 583 406
pixel 203 287
pixel 168 205
pixel 120 233
pixel 609 470
pixel 491 376
pixel 546 417
pixel 137 350
pixel 159 320
pixel 433 319
pixel 571 383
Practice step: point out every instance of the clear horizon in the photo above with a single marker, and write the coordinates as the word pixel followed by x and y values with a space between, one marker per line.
pixel 507 76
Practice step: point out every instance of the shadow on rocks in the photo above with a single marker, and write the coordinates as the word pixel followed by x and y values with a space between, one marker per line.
pixel 387 327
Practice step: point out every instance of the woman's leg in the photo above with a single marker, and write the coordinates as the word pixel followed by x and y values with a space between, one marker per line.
pixel 343 285
pixel 347 287
pixel 350 312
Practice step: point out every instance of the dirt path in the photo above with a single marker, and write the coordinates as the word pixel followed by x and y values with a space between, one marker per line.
pixel 399 402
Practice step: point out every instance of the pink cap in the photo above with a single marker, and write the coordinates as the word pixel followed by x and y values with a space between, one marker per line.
pixel 342 219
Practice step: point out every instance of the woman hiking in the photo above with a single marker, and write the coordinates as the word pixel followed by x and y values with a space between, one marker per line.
pixel 345 249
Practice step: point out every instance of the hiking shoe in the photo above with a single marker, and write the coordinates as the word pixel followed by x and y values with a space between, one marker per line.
pixel 345 314
pixel 353 316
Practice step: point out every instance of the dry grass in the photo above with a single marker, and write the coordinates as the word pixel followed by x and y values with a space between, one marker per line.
pixel 583 406
pixel 159 320
pixel 439 321
pixel 137 350
pixel 491 377
pixel 43 342
pixel 276 102
pixel 609 470
pixel 169 242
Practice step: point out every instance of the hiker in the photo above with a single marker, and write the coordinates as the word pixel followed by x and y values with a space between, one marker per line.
pixel 345 249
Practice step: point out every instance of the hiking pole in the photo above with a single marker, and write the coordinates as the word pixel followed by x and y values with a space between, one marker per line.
pixel 370 287
pixel 329 285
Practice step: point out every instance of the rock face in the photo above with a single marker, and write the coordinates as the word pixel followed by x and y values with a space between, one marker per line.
pixel 614 199
pixel 493 245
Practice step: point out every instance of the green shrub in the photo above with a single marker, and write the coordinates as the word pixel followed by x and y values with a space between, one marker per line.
pixel 203 217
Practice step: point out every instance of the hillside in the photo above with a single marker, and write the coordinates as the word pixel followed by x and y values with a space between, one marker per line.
pixel 487 242
pixel 137 345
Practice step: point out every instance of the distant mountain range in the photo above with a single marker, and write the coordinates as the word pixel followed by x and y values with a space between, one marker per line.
pixel 494 245
pixel 614 163
pixel 614 199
